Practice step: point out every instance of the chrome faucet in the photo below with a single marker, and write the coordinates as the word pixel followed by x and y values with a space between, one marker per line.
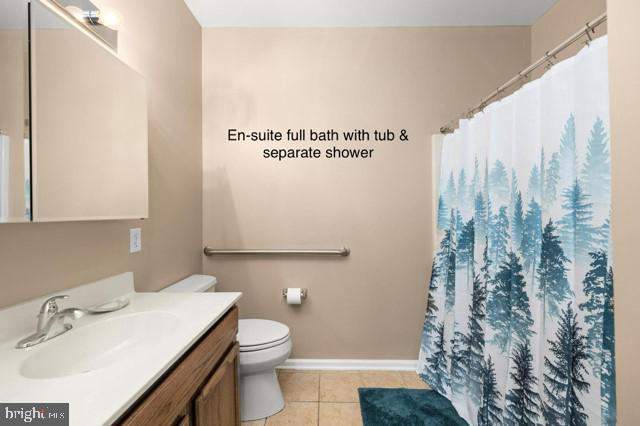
pixel 51 322
pixel 49 308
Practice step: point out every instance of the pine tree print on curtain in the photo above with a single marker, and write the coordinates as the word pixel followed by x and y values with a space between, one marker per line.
pixel 489 412
pixel 566 370
pixel 476 342
pixel 519 325
pixel 523 401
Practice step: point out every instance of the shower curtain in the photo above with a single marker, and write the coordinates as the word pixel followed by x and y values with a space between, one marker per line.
pixel 519 327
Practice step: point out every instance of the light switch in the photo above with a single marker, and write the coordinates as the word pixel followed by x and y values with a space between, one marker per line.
pixel 135 240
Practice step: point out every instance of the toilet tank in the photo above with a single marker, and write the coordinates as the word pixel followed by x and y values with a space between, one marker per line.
pixel 193 284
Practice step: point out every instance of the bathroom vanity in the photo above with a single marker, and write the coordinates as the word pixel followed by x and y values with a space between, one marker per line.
pixel 164 359
pixel 201 388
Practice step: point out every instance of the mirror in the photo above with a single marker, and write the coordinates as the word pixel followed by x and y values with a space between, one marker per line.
pixel 97 17
pixel 15 184
pixel 89 124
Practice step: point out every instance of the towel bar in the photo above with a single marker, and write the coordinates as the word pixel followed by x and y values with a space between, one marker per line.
pixel 344 251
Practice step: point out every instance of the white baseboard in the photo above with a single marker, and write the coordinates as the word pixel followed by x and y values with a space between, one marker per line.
pixel 351 364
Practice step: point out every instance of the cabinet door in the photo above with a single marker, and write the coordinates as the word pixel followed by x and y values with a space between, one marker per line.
pixel 217 404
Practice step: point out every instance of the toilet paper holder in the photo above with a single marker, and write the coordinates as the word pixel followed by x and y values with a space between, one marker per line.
pixel 303 293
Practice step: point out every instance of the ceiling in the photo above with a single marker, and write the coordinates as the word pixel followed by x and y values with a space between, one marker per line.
pixel 366 13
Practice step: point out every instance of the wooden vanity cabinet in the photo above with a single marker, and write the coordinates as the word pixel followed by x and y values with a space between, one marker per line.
pixel 201 389
pixel 217 402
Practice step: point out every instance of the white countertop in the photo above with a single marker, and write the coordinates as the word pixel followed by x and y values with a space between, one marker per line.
pixel 100 396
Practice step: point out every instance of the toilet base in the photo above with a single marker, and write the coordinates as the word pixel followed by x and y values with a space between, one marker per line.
pixel 260 395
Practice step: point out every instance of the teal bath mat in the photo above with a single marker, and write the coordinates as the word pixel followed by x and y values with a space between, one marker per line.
pixel 406 407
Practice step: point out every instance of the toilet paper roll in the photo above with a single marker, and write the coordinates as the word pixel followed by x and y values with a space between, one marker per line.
pixel 294 296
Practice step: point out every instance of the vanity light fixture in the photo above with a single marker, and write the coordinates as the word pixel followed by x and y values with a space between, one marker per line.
pixel 68 15
pixel 106 17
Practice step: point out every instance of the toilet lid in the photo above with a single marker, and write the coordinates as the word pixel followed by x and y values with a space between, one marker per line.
pixel 254 333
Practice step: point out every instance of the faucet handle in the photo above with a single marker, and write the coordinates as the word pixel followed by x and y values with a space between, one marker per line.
pixel 50 306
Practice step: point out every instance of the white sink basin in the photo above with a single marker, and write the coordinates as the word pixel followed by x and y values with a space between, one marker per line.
pixel 98 344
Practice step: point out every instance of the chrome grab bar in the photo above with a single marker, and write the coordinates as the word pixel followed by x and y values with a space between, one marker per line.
pixel 344 251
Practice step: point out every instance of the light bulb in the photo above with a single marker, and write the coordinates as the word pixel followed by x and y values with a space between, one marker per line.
pixel 76 12
pixel 110 18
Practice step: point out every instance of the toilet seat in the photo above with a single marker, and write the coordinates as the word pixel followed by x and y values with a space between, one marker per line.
pixel 264 346
pixel 260 334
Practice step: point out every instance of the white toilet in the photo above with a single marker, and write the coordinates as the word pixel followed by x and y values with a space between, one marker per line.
pixel 264 345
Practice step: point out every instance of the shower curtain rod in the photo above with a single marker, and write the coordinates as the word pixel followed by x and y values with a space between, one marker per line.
pixel 523 75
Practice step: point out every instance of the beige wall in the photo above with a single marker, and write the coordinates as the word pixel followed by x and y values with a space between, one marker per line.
pixel 163 43
pixel 370 305
pixel 562 21
pixel 624 62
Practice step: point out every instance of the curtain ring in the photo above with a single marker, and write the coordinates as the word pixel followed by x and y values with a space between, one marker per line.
pixel 588 30
pixel 549 61
pixel 523 78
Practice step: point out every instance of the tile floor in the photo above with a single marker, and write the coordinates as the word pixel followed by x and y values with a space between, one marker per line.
pixel 330 398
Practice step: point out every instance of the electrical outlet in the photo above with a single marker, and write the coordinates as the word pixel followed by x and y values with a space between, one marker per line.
pixel 135 240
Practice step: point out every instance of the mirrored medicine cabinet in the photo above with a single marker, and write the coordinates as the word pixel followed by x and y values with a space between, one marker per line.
pixel 73 120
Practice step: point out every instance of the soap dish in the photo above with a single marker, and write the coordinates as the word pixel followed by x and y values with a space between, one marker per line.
pixel 111 306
